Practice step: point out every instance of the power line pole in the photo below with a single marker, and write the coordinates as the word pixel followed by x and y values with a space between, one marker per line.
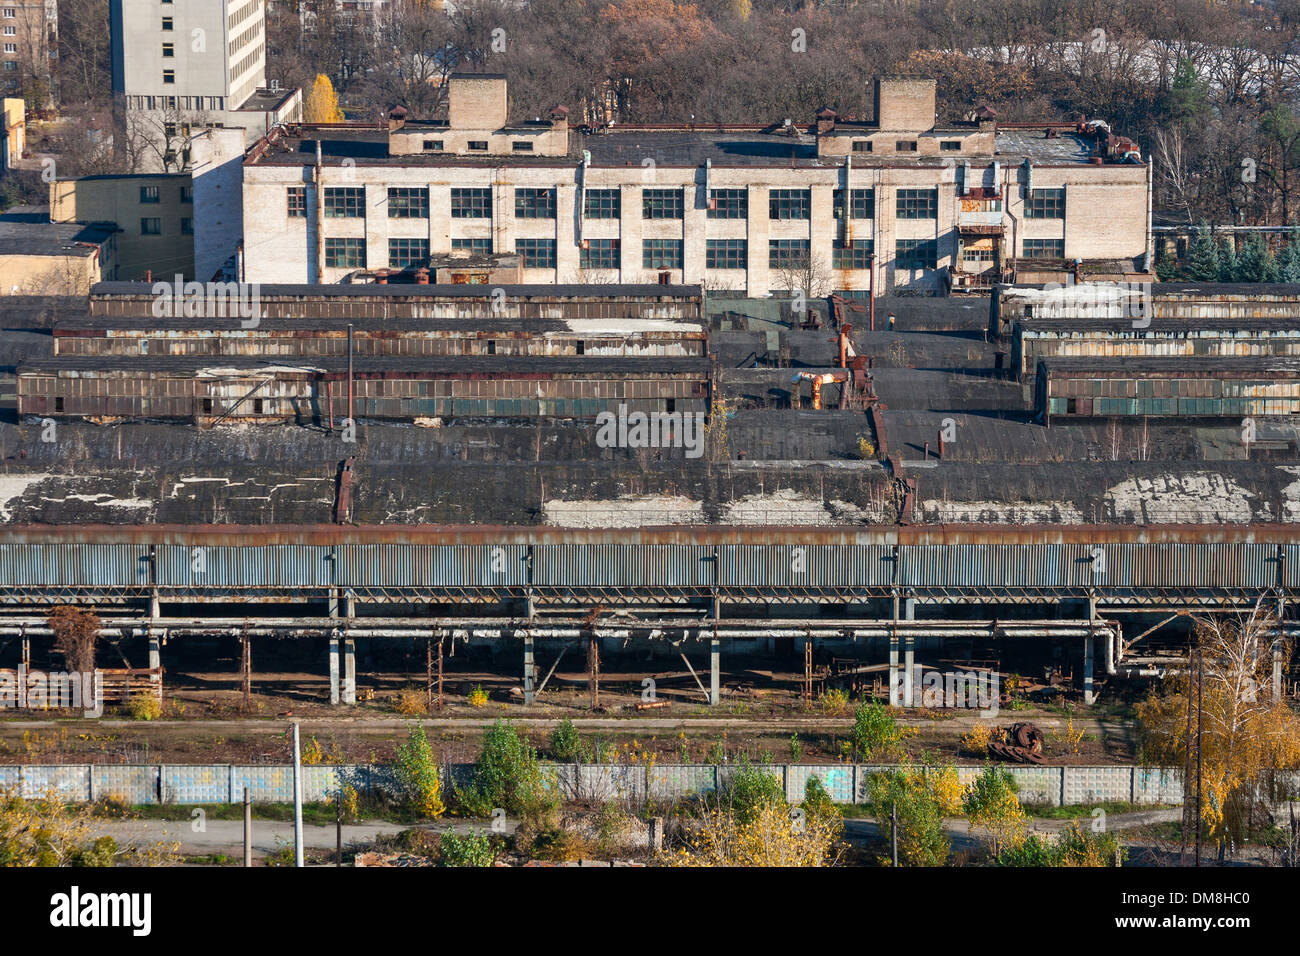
pixel 1200 723
pixel 893 831
pixel 248 829
pixel 297 799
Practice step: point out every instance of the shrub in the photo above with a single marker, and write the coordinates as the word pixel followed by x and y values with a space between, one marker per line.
pixel 470 849
pixel 834 701
pixel 975 742
pixel 566 743
pixel 410 702
pixel 144 707
pixel 921 840
pixel 478 697
pixel 819 806
pixel 748 789
pixel 417 774
pixel 312 753
pixel 506 775
pixel 876 733
pixel 991 805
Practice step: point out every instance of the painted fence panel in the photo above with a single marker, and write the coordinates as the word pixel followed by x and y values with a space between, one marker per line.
pixel 125 784
pixel 72 783
pixel 837 779
pixel 1095 784
pixel 669 782
pixel 220 783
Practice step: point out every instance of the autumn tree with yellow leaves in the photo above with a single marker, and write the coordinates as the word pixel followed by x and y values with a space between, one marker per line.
pixel 1249 741
pixel 322 105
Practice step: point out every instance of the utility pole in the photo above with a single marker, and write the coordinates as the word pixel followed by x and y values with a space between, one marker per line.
pixel 297 798
pixel 338 833
pixel 248 829
pixel 893 831
pixel 1200 723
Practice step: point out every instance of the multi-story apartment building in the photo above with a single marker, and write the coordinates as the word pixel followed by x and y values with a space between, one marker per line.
pixel 897 202
pixel 180 67
pixel 29 48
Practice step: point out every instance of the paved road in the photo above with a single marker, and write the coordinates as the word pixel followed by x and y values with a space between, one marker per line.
pixel 227 836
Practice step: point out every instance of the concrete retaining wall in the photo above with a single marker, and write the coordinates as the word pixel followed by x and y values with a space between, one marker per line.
pixel 272 783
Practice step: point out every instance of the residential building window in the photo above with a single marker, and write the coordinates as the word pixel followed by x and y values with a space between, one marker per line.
pixel 169 76
pixel 536 253
pixel 433 145
pixel 905 146
pixel 1044 249
pixel 522 146
pixel 534 203
pixel 345 253
pixel 345 202
pixel 472 203
pixel 11 47
pixel 861 205
pixel 599 254
pixel 862 146
pixel 150 194
pixel 726 254
pixel 918 203
pixel 167 23
pixel 949 145
pixel 477 247
pixel 789 203
pixel 788 253
pixel 478 145
pixel 916 253
pixel 187 226
pixel 661 253
pixel 601 204
pixel 403 253
pixel 1045 204
pixel 407 202
pixel 169 49
pixel 661 204
pixel 296 197
pixel 151 227
pixel 187 194
pixel 728 203
pixel 854 255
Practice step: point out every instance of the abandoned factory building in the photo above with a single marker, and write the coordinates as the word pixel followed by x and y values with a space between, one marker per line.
pixel 900 202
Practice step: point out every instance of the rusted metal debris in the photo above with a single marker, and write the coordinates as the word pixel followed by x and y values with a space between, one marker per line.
pixel 1022 743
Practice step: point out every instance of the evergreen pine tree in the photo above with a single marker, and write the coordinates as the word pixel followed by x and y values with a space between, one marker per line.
pixel 1256 263
pixel 1228 268
pixel 1204 255
pixel 1288 260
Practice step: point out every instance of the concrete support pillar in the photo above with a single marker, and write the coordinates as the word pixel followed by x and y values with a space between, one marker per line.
pixel 25 652
pixel 1088 650
pixel 334 603
pixel 155 650
pixel 894 695
pixel 909 656
pixel 530 672
pixel 715 676
pixel 349 672
pixel 154 606
pixel 334 670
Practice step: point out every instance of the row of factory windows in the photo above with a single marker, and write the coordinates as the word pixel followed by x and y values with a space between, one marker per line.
pixel 351 253
pixel 341 202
